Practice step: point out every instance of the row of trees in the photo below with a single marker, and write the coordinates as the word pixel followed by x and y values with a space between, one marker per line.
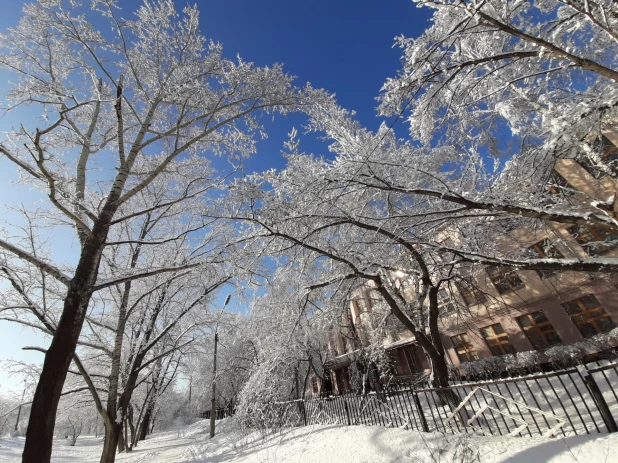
pixel 495 92
pixel 131 115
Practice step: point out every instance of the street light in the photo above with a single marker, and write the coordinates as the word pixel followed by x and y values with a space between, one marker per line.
pixel 214 375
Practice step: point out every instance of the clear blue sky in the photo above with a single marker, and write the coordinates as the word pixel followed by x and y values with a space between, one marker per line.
pixel 344 46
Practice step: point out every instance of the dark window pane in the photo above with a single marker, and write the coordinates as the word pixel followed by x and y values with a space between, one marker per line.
pixel 495 350
pixel 537 342
pixel 581 318
pixel 553 338
pixel 587 330
pixel 509 348
pixel 497 340
pixel 514 280
pixel 503 287
pixel 589 301
pixel 539 317
pixel 525 321
pixel 606 324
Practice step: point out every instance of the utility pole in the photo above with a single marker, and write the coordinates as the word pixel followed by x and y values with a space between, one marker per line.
pixel 213 411
pixel 190 381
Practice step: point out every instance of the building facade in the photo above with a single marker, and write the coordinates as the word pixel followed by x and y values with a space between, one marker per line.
pixel 502 311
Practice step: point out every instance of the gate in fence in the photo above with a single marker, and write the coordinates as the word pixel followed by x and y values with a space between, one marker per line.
pixel 568 402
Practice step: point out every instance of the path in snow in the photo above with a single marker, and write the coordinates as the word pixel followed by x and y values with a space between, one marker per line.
pixel 319 444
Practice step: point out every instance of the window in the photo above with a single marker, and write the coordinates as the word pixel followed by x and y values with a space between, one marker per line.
pixel 589 316
pixel 471 294
pixel 402 280
pixel 445 303
pixel 497 340
pixel 362 303
pixel 504 279
pixel 559 185
pixel 315 385
pixel 539 331
pixel 594 240
pixel 464 349
pixel 443 255
pixel 544 249
pixel 412 361
pixel 609 155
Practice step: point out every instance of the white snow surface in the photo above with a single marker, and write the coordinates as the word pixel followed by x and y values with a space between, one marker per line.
pixel 336 443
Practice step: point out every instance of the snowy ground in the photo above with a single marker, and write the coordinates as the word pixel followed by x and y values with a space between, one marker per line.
pixel 319 444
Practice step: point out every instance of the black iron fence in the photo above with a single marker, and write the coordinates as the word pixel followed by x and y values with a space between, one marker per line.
pixel 220 413
pixel 568 402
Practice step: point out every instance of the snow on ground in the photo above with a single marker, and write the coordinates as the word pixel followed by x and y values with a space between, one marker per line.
pixel 336 443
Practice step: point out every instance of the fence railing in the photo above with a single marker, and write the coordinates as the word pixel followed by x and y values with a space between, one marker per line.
pixel 569 402
pixel 220 413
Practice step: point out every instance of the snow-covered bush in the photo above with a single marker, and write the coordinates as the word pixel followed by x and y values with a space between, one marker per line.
pixel 71 429
pixel 487 367
pixel 569 355
pixel 522 362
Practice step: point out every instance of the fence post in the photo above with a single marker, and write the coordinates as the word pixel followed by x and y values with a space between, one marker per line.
pixel 420 413
pixel 304 412
pixel 347 412
pixel 599 400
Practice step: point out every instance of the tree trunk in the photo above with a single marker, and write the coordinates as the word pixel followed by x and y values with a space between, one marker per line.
pixel 120 439
pixel 129 441
pixel 110 443
pixel 145 424
pixel 18 416
pixel 40 433
pixel 139 424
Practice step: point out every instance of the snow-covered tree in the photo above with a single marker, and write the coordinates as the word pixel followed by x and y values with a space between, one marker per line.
pixel 283 345
pixel 139 97
pixel 542 73
pixel 514 86
pixel 134 325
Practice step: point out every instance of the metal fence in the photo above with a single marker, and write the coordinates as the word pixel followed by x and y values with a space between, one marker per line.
pixel 574 401
pixel 220 413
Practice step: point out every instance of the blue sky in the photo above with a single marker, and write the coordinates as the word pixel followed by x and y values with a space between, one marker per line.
pixel 344 46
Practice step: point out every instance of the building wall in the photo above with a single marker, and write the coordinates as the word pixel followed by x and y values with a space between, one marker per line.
pixel 540 294
pixel 537 294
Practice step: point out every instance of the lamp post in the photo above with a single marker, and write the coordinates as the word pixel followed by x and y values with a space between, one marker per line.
pixel 213 410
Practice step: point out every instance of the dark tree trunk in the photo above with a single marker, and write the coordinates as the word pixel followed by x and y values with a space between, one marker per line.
pixel 139 425
pixel 120 440
pixel 38 445
pixel 18 416
pixel 145 424
pixel 432 345
pixel 131 427
pixel 40 433
pixel 113 432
